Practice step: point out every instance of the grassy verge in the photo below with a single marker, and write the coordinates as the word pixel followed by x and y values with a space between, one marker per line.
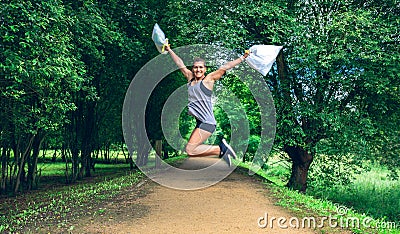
pixel 328 216
pixel 58 206
pixel 372 193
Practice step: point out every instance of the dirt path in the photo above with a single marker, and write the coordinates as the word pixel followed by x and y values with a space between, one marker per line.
pixel 233 205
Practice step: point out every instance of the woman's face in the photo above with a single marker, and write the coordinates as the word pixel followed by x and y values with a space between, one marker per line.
pixel 198 69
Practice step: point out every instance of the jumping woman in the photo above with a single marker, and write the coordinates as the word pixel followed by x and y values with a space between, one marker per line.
pixel 200 88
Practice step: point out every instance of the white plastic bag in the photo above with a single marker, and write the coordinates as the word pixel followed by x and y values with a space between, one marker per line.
pixel 262 57
pixel 159 39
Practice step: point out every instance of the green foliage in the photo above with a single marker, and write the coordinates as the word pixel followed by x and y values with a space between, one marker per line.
pixel 341 59
pixel 156 102
pixel 193 22
pixel 39 72
pixel 334 87
pixel 372 193
pixel 233 85
pixel 337 170
pixel 277 170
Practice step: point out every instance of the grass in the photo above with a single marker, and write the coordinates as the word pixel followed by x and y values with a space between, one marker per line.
pixel 368 192
pixel 60 204
pixel 372 193
pixel 58 168
pixel 57 205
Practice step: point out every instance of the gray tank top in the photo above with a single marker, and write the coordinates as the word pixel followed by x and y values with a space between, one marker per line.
pixel 200 104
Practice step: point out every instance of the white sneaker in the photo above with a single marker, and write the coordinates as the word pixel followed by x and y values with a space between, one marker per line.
pixel 227 159
pixel 227 152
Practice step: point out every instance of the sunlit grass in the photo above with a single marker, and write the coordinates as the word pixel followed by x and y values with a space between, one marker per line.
pixel 371 192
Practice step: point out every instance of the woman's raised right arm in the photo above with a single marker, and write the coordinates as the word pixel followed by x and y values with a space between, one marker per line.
pixel 178 61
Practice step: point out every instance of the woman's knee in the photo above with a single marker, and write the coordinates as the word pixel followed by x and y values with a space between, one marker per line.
pixel 190 149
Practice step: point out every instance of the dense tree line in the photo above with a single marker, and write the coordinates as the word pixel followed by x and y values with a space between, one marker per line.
pixel 66 65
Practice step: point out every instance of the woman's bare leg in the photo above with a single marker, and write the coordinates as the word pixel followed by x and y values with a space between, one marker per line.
pixel 195 146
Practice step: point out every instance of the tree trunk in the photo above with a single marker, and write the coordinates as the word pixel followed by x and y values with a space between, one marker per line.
pixel 143 155
pixel 165 148
pixel 4 159
pixel 88 140
pixel 21 165
pixel 63 152
pixel 159 149
pixel 301 161
pixel 54 157
pixel 143 148
pixel 107 153
pixel 73 132
pixel 32 163
pixel 75 163
pixel 130 160
pixel 15 145
pixel 86 161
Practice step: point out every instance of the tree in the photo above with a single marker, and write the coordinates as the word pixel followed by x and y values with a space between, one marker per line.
pixel 338 59
pixel 105 41
pixel 326 87
pixel 39 75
